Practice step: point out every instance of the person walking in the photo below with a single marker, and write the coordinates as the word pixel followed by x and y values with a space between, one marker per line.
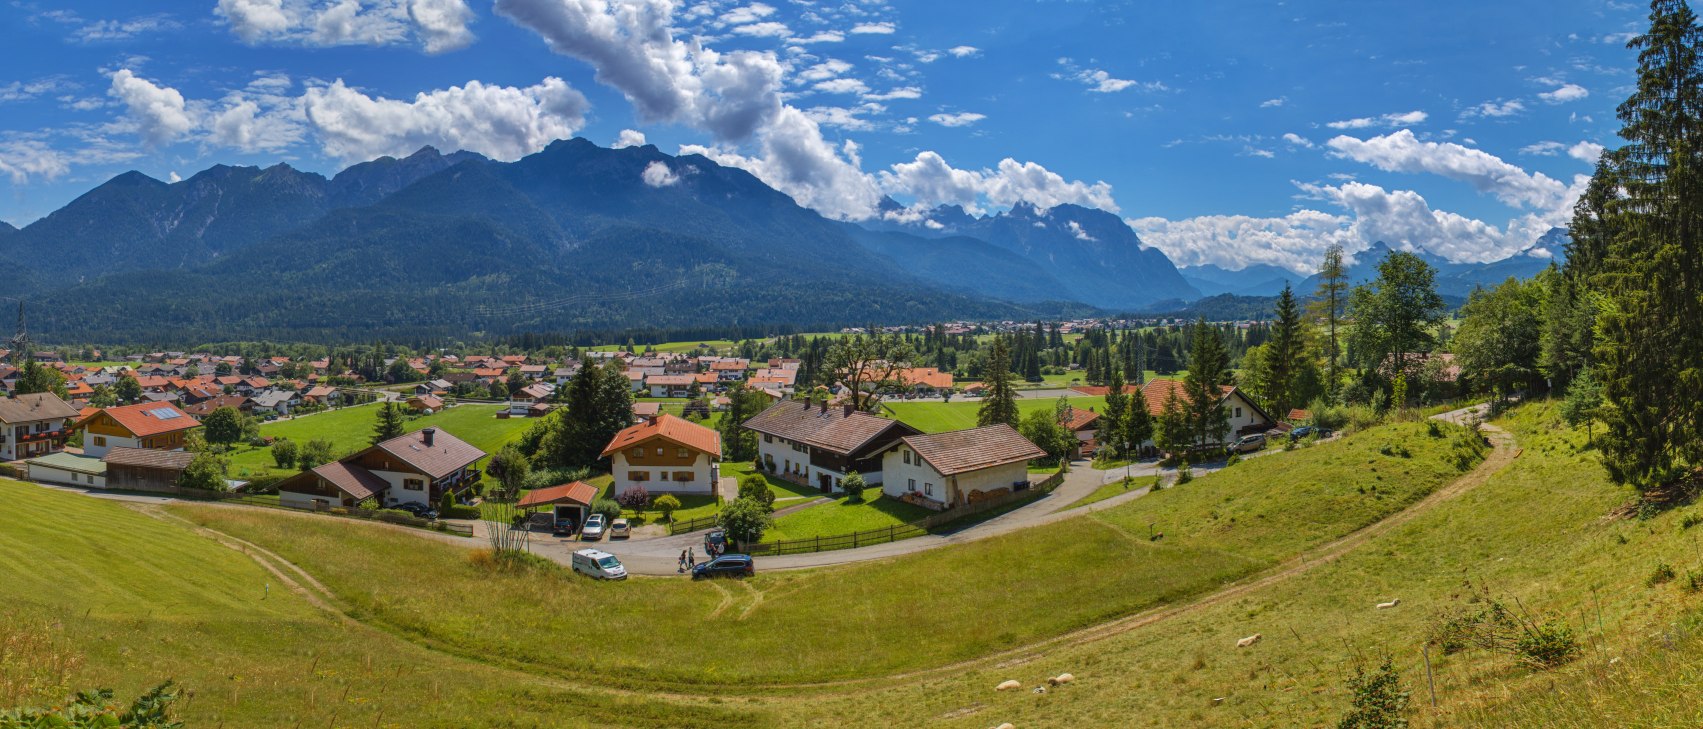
pixel 691 558
pixel 682 561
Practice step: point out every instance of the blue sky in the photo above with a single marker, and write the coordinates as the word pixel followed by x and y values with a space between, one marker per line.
pixel 1225 132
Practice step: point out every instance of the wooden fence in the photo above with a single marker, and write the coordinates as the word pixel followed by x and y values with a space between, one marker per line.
pixel 693 524
pixel 916 528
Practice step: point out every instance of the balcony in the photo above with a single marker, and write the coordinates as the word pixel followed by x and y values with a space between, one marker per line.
pixel 38 437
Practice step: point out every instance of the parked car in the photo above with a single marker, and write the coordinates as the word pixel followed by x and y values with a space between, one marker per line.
pixel 420 510
pixel 620 528
pixel 727 565
pixel 1306 431
pixel 598 564
pixel 562 528
pixel 1248 443
pixel 715 542
pixel 593 529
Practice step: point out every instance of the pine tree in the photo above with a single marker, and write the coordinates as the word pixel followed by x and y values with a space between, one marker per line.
pixel 1328 303
pixel 1117 409
pixel 1138 422
pixel 999 400
pixel 1203 387
pixel 390 423
pixel 1283 354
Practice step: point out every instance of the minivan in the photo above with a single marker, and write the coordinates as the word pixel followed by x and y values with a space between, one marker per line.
pixel 599 564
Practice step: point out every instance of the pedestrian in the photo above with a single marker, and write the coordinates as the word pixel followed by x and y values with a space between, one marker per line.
pixel 682 561
pixel 691 557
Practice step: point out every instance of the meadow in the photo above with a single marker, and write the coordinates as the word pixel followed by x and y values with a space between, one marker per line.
pixel 940 417
pixel 351 429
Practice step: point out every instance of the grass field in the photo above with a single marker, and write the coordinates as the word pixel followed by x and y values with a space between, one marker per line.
pixel 351 429
pixel 842 516
pixel 939 417
pixel 1221 526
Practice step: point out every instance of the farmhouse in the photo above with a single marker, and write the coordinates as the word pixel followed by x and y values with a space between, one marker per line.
pixel 665 455
pixel 818 445
pixel 417 468
pixel 944 470
pixel 34 425
pixel 669 385
pixel 158 426
pixel 140 469
pixel 1085 425
pixel 1245 416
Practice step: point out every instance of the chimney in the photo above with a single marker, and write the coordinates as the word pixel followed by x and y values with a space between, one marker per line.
pixel 427 435
pixel 848 408
pixel 824 407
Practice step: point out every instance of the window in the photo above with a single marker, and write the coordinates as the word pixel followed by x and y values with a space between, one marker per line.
pixel 659 450
pixel 682 453
pixel 638 475
pixel 637 453
pixel 413 484
pixel 1238 412
pixel 100 440
pixel 683 476
pixel 908 460
pixel 913 487
pixel 928 489
pixel 768 438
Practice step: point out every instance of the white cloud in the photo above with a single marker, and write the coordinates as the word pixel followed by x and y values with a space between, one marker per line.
pixel 931 181
pixel 158 112
pixel 1495 109
pixel 244 125
pixel 438 25
pixel 747 14
pixel 1102 82
pixel 115 30
pixel 842 86
pixel 23 159
pixel 657 174
pixel 502 122
pixel 174 177
pixel 963 51
pixel 1272 103
pixel 903 92
pixel 795 159
pixel 826 36
pixel 1543 149
pixel 1565 93
pixel 873 29
pixel 1585 152
pixel 1391 120
pixel 959 119
pixel 1253 151
pixel 26 90
pixel 629 138
pixel 1078 233
pixel 831 68
pixel 843 117
pixel 769 29
pixel 1295 241
pixel 1400 151
pixel 1297 140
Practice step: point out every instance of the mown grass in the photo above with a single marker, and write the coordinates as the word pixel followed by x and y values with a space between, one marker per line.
pixel 125 601
pixel 351 429
pixel 867 619
pixel 843 516
pixel 940 417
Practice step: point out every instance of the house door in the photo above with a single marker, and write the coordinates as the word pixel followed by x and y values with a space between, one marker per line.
pixel 826 481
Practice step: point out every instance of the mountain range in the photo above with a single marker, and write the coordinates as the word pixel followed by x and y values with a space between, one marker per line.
pixel 574 237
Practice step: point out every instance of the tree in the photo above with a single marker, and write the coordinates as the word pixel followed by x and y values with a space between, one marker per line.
pixel 1171 430
pixel 999 399
pixel 400 371
pixel 222 369
pixel 1569 324
pixel 1284 355
pixel 284 453
pixel 636 498
pixel 599 405
pixel 1203 386
pixel 1138 422
pixel 1583 404
pixel 873 361
pixel 1042 428
pixel 667 504
pixel 314 453
pixel 756 488
pixel 510 468
pixel 738 443
pixel 1379 702
pixel 1643 259
pixel 35 378
pixel 205 472
pixel 103 397
pixel 390 423
pixel 1499 341
pixel 128 389
pixel 609 508
pixel 223 426
pixel 745 520
pixel 1111 431
pixel 1395 315
pixel 853 485
pixel 1328 302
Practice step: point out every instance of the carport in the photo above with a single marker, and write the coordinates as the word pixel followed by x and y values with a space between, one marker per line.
pixel 567 501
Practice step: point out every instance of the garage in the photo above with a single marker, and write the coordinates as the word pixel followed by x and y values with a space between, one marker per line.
pixel 67 469
pixel 568 501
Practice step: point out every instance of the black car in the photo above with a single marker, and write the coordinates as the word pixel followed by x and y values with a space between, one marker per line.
pixel 728 565
pixel 562 528
pixel 419 510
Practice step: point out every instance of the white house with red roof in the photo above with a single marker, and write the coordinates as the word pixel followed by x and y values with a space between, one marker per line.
pixel 665 455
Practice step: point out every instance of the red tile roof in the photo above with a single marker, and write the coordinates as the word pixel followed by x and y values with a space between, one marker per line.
pixel 1102 390
pixel 148 418
pixel 675 430
pixel 1078 419
pixel 578 492
pixel 962 451
pixel 1159 390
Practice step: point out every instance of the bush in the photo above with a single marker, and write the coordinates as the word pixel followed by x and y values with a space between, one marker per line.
pixel 1662 574
pixel 91 709
pixel 1690 520
pixel 263 484
pixel 284 453
pixel 1547 645
pixel 667 504
pixel 546 477
pixel 1234 459
pixel 756 488
pixel 1378 701
pixel 458 511
pixel 745 520
pixel 1487 623
pixel 635 498
pixel 609 508
pixel 1184 473
pixel 852 484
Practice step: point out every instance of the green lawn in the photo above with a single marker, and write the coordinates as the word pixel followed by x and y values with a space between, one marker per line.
pixel 781 489
pixel 842 516
pixel 350 429
pixel 939 417
pixel 1218 528
pixel 1109 490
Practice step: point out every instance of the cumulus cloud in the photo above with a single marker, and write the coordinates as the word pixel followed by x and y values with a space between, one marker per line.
pixel 629 138
pixel 903 92
pixel 244 125
pixel 873 29
pixel 1297 140
pixel 159 113
pixel 502 122
pixel 1543 149
pixel 1295 241
pixel 1102 82
pixel 769 29
pixel 795 159
pixel 1078 233
pixel 931 181
pixel 437 25
pixel 1585 152
pixel 963 51
pixel 826 36
pixel 1495 109
pixel 842 86
pixel 657 174
pixel 23 159
pixel 1401 151
pixel 1274 103
pixel 1565 93
pixel 1388 120
pixel 958 119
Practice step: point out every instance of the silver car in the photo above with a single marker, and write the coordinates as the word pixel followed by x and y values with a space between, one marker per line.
pixel 593 529
pixel 1248 443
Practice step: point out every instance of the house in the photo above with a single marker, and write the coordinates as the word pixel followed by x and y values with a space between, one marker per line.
pixel 157 426
pixel 434 387
pixel 669 385
pixel 646 411
pixel 322 394
pixel 569 500
pixel 141 469
pixel 425 404
pixel 417 468
pixel 206 407
pixel 665 455
pixel 730 370
pixel 924 381
pixel 274 401
pixel 946 470
pixel 1245 416
pixel 817 445
pixel 1085 425
pixel 34 425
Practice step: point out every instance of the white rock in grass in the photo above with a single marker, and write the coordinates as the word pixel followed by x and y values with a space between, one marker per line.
pixel 1008 685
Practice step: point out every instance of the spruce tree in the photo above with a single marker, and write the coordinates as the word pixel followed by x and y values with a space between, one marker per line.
pixel 1117 409
pixel 1329 301
pixel 999 400
pixel 1283 354
pixel 1203 387
pixel 390 424
pixel 1138 422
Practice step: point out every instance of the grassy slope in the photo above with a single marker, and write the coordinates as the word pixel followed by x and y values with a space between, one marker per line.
pixel 940 417
pixel 138 600
pixel 351 429
pixel 841 516
pixel 871 618
pixel 1535 532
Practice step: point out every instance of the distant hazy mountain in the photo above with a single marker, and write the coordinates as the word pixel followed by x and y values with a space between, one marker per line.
pixel 1457 280
pixel 1096 258
pixel 574 237
pixel 1259 279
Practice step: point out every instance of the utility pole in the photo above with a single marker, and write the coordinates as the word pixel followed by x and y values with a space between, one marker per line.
pixel 20 343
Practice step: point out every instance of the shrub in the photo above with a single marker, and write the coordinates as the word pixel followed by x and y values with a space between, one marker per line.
pixel 1395 449
pixel 284 453
pixel 546 477
pixel 635 498
pixel 756 488
pixel 396 515
pixel 852 484
pixel 1662 574
pixel 667 504
pixel 1693 581
pixel 1184 473
pixel 458 511
pixel 1547 645
pixel 1378 701
pixel 1486 623
pixel 745 520
pixel 609 508
pixel 1234 459
pixel 152 710
pixel 1690 520
pixel 263 484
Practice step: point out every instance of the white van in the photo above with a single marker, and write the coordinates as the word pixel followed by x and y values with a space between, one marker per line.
pixel 599 564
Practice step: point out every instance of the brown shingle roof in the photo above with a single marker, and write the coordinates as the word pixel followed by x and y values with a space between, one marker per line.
pixel 834 430
pixel 149 458
pixel 578 492
pixel 39 406
pixel 677 430
pixel 445 456
pixel 961 451
pixel 351 479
